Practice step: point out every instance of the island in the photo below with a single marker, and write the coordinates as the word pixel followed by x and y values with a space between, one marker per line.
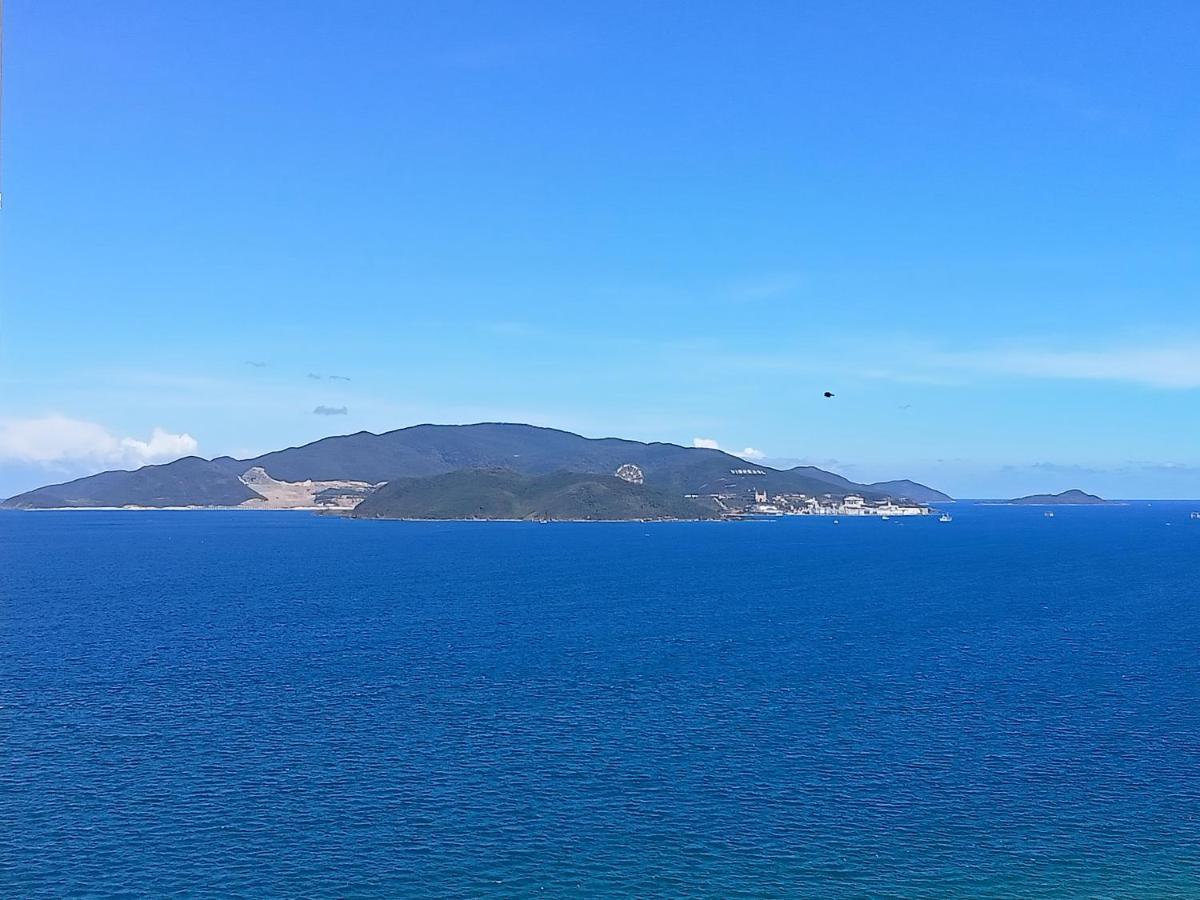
pixel 489 470
pixel 1073 497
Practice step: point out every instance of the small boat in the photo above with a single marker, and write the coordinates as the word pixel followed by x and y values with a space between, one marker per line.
pixel 945 517
pixel 1196 515
pixel 1048 514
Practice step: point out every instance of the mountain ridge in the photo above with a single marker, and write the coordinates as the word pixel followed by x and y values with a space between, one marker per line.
pixel 188 481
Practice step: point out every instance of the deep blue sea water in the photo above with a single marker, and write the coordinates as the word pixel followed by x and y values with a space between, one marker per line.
pixel 280 704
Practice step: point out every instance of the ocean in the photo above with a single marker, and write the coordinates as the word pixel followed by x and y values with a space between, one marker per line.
pixel 281 704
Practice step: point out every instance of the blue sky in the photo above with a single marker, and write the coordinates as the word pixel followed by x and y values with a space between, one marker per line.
pixel 975 223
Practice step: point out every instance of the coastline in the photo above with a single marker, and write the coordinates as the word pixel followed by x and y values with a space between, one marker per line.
pixel 341 514
pixel 165 508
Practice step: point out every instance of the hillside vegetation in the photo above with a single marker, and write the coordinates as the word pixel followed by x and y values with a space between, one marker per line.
pixel 503 494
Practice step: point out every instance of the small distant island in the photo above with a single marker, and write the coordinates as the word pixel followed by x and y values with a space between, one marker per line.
pixel 1072 497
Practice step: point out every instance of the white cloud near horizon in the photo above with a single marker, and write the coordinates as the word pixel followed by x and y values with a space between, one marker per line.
pixel 56 440
pixel 710 444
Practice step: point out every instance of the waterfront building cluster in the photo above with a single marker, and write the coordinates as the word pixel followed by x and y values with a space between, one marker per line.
pixel 827 505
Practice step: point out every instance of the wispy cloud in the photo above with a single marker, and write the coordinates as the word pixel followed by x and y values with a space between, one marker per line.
pixel 770 286
pixel 1068 99
pixel 330 411
pixel 940 379
pixel 507 51
pixel 1170 469
pixel 1052 468
pixel 1169 364
pixel 514 329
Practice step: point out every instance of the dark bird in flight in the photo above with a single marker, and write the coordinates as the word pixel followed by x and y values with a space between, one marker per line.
pixel 829 394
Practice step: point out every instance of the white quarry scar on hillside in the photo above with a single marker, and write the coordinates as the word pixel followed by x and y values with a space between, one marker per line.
pixel 303 494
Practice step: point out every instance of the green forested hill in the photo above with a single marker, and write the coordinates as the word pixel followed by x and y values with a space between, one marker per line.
pixel 503 494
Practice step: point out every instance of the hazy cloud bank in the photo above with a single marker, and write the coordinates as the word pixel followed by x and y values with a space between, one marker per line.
pixel 56 440
pixel 710 444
